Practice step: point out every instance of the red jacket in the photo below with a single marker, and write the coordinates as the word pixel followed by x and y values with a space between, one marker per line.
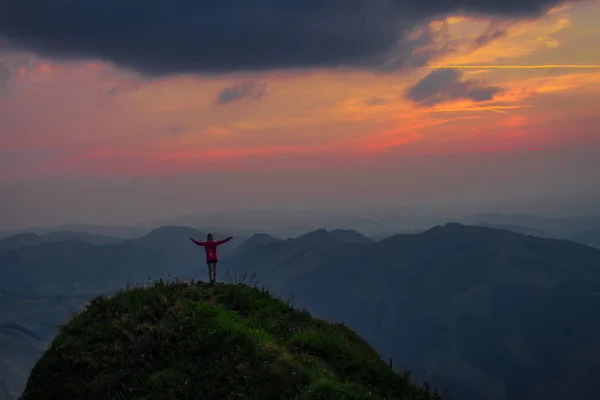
pixel 211 247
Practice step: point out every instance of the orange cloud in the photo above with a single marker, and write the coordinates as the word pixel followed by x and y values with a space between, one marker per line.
pixel 507 40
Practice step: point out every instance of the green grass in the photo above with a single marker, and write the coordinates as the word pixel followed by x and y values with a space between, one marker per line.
pixel 183 341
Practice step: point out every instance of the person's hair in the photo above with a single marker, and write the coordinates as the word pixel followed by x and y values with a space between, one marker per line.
pixel 210 236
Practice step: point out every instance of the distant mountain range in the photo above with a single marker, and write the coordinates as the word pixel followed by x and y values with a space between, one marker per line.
pixel 123 232
pixel 33 239
pixel 78 266
pixel 490 313
pixel 589 237
pixel 555 226
pixel 290 224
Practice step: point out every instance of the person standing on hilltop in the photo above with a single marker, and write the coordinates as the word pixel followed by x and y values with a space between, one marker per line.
pixel 210 246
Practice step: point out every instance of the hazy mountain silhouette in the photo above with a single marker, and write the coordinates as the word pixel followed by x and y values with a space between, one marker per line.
pixel 74 266
pixel 285 258
pixel 553 226
pixel 518 229
pixel 321 237
pixel 502 315
pixel 254 241
pixel 33 239
pixel 292 223
pixel 77 267
pixel 122 232
pixel 591 238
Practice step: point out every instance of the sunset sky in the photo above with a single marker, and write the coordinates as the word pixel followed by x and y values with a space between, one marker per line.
pixel 122 114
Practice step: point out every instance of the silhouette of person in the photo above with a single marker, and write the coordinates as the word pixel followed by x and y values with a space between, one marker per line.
pixel 210 246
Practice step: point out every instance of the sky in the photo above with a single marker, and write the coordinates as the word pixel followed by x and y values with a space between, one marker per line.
pixel 122 112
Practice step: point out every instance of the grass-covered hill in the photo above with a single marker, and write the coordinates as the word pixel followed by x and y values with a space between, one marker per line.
pixel 182 341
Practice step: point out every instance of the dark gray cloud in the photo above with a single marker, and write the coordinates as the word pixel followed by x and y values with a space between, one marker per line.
pixel 240 90
pixel 159 37
pixel 4 76
pixel 445 84
pixel 492 33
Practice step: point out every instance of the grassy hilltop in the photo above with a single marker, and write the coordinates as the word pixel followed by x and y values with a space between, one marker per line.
pixel 190 341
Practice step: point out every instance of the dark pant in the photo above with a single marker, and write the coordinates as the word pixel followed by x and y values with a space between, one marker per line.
pixel 212 269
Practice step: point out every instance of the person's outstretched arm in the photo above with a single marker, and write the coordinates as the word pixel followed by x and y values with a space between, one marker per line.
pixel 224 240
pixel 198 243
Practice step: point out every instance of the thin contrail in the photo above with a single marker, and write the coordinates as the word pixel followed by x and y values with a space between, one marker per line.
pixel 547 66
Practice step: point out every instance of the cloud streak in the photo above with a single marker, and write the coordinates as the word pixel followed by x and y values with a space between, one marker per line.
pixel 491 33
pixel 241 90
pixel 157 37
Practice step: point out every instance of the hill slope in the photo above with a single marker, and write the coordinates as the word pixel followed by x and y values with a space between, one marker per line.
pixel 189 341
pixel 591 238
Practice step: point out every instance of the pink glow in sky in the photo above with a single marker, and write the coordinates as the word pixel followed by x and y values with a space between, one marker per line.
pixel 87 141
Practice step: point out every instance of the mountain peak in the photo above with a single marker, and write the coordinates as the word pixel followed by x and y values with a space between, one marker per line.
pixel 260 237
pixel 318 234
pixel 255 241
pixel 348 236
pixel 336 236
pixel 477 232
pixel 448 227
